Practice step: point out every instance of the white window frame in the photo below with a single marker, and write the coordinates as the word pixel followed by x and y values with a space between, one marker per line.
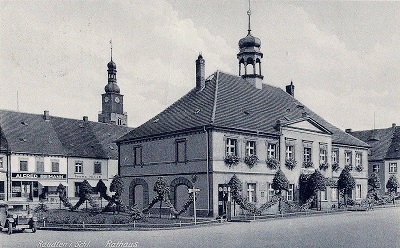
pixel 289 152
pixel 1 162
pixel 271 192
pixel 348 157
pixel 358 158
pixel 335 156
pixel 290 193
pixel 231 147
pixel 392 167
pixel 324 195
pixel 271 150
pixel 375 168
pixel 250 148
pixel 358 192
pixel 323 155
pixel 78 167
pixel 334 194
pixel 251 192
pixel 307 154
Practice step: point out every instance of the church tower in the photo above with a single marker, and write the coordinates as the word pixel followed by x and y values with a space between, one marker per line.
pixel 250 56
pixel 112 101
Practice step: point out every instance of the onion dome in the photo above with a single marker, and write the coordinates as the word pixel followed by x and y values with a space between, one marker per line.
pixel 111 65
pixel 112 88
pixel 249 41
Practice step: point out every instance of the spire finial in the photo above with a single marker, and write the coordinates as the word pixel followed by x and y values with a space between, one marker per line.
pixel 111 48
pixel 249 14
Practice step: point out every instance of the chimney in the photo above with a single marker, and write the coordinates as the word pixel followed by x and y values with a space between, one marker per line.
pixel 46 115
pixel 290 89
pixel 85 118
pixel 348 130
pixel 393 125
pixel 200 73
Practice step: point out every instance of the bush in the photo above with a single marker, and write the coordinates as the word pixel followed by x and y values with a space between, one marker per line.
pixel 272 163
pixel 290 163
pixel 231 160
pixel 323 166
pixel 335 167
pixel 251 160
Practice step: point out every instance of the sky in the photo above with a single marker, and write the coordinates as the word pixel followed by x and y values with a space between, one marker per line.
pixel 343 57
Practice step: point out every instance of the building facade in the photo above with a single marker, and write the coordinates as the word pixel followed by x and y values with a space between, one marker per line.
pixel 384 155
pixel 214 131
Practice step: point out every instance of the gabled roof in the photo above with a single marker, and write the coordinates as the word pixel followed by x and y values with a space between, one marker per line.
pixel 30 133
pixel 385 143
pixel 231 102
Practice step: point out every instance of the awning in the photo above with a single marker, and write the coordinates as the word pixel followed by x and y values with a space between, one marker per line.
pixel 52 184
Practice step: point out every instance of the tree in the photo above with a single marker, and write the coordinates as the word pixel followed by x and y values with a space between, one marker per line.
pixel 102 189
pixel 117 186
pixel 346 183
pixel 85 190
pixel 317 184
pixel 374 184
pixel 279 183
pixel 392 185
pixel 162 190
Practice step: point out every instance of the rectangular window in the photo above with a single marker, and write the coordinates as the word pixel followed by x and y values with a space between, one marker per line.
pixel 358 158
pixel 290 193
pixel 181 151
pixel 392 167
pixel 77 187
pixel 358 191
pixel 78 167
pixel 251 192
pixel 39 166
pixel 324 195
pixel 335 156
pixel 55 166
pixel 271 151
pixel 1 162
pixel 323 155
pixel 2 195
pixel 231 147
pixel 375 168
pixel 307 154
pixel 97 168
pixel 16 189
pixel 271 192
pixel 137 155
pixel 334 194
pixel 347 157
pixel 23 165
pixel 289 152
pixel 250 148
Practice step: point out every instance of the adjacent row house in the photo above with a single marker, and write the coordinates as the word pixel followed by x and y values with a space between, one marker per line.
pixel 384 154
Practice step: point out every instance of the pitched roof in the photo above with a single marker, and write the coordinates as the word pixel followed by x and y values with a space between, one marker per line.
pixel 385 143
pixel 30 133
pixel 229 101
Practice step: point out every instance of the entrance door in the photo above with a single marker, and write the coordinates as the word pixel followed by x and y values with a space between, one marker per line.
pixel 138 196
pixel 223 199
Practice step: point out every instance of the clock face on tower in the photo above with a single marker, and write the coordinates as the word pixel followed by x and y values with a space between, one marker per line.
pixel 117 99
pixel 106 99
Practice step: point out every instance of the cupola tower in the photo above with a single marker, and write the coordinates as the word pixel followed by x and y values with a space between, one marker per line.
pixel 250 56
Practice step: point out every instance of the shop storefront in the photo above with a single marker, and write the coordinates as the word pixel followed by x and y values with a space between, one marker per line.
pixel 32 186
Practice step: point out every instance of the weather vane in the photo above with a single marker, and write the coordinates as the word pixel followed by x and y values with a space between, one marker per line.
pixel 249 14
pixel 111 47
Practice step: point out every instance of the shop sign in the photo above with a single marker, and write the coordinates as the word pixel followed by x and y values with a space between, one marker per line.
pixel 38 176
pixel 88 176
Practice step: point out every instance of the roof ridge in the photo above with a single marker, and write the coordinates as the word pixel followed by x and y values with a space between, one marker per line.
pixel 215 98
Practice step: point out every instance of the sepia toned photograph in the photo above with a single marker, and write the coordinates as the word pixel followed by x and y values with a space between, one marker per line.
pixel 199 123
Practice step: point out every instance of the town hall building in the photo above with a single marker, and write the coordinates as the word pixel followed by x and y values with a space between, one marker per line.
pixel 212 132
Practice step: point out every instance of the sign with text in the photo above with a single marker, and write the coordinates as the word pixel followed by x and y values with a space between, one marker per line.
pixel 38 176
pixel 88 176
